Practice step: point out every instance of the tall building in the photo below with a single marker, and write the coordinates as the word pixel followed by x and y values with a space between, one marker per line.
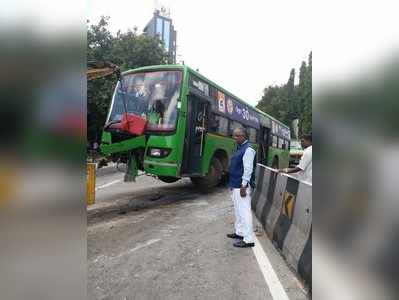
pixel 161 25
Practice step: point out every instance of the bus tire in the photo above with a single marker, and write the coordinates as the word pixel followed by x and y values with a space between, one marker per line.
pixel 275 164
pixel 225 179
pixel 168 179
pixel 213 177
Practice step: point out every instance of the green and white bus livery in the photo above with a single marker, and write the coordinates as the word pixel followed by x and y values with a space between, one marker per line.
pixel 188 125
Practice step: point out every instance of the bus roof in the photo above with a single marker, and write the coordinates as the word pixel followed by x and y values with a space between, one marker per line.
pixel 154 68
pixel 188 69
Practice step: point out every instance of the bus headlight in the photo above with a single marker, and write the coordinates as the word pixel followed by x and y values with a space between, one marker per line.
pixel 158 152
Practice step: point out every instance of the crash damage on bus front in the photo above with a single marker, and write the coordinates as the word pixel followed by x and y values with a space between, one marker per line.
pixel 143 104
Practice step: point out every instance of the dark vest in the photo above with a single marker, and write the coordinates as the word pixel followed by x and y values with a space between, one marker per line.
pixel 236 169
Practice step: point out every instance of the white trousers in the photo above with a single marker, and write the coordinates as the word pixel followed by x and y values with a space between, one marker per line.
pixel 243 215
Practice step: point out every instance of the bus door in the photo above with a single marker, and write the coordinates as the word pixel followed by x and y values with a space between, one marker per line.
pixel 197 125
pixel 264 137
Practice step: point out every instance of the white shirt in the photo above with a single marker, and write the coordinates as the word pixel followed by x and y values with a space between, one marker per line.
pixel 306 165
pixel 248 162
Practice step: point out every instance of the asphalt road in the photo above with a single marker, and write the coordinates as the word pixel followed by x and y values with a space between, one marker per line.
pixel 152 240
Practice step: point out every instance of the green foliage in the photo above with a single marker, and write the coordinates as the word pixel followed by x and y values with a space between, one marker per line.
pixel 289 101
pixel 131 51
pixel 306 119
pixel 128 50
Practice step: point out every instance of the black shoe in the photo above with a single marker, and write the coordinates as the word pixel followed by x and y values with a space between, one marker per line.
pixel 235 236
pixel 242 244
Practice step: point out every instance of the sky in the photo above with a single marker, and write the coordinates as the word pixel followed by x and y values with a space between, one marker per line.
pixel 245 46
pixel 241 47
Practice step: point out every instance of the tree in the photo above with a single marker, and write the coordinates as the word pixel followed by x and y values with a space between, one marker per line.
pixel 132 50
pixel 128 50
pixel 274 102
pixel 99 47
pixel 289 101
pixel 99 41
pixel 306 114
pixel 292 99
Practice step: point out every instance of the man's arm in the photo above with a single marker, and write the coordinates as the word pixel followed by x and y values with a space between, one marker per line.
pixel 248 162
pixel 290 170
pixel 305 160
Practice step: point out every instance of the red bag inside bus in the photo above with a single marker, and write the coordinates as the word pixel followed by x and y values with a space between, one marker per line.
pixel 132 124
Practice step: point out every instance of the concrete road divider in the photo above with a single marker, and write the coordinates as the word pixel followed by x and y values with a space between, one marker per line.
pixel 283 205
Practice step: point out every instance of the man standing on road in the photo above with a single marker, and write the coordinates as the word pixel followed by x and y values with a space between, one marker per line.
pixel 304 169
pixel 241 183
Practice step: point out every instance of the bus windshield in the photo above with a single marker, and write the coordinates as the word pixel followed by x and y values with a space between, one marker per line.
pixel 152 95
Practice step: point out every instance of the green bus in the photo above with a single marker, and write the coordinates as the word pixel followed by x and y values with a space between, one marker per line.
pixel 189 122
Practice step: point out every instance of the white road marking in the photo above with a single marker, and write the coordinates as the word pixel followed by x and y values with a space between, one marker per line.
pixel 139 246
pixel 276 289
pixel 107 184
pixel 147 243
pixel 98 259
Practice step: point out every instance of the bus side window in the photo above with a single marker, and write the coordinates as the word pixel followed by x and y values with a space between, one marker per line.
pixel 266 137
pixel 222 125
pixel 233 125
pixel 286 145
pixel 274 141
pixel 214 123
pixel 252 134
pixel 280 143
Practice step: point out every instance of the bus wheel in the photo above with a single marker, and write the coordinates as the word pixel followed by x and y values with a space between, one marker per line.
pixel 225 179
pixel 168 179
pixel 213 177
pixel 275 163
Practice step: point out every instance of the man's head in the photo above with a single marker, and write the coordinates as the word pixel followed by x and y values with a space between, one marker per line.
pixel 139 85
pixel 239 135
pixel 306 140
